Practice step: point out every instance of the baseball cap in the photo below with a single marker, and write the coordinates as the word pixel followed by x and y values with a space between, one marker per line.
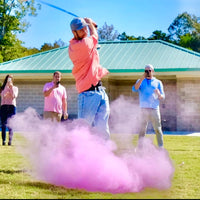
pixel 77 24
pixel 149 66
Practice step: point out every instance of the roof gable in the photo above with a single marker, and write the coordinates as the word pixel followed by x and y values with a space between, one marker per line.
pixel 134 55
pixel 116 56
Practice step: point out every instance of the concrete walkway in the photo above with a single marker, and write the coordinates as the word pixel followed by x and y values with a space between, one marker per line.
pixel 181 133
pixel 193 134
pixel 186 133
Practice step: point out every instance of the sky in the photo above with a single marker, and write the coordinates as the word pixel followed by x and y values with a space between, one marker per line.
pixel 134 17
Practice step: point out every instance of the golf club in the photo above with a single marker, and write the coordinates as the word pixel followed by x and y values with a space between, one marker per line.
pixel 63 10
pixel 58 8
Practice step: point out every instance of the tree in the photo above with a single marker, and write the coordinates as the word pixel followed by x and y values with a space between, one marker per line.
pixel 185 41
pixel 49 46
pixel 185 31
pixel 10 48
pixel 30 51
pixel 46 47
pixel 12 14
pixel 106 33
pixel 1 58
pixel 159 35
pixel 123 36
pixel 190 41
pixel 184 24
pixel 59 43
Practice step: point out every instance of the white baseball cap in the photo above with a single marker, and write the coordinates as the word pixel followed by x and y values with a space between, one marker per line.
pixel 149 66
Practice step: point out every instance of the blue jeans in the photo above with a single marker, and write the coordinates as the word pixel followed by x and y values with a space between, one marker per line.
pixel 152 115
pixel 7 111
pixel 94 107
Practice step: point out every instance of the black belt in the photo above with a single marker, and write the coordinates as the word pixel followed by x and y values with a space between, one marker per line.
pixel 96 87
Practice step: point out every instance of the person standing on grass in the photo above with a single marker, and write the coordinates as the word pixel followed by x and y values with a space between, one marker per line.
pixel 55 99
pixel 93 102
pixel 150 93
pixel 9 93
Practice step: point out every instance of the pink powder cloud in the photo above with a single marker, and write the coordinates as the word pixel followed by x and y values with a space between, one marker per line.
pixel 70 154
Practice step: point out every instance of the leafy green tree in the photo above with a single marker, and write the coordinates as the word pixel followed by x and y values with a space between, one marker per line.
pixel 185 41
pixel 49 46
pixel 190 41
pixel 195 42
pixel 59 43
pixel 46 47
pixel 184 24
pixel 159 35
pixel 30 51
pixel 12 21
pixel 10 47
pixel 185 31
pixel 1 58
pixel 141 38
pixel 123 36
pixel 12 14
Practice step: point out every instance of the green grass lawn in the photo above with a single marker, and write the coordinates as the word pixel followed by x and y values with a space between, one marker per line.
pixel 16 183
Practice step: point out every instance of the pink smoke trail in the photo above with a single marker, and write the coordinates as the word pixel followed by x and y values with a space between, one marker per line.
pixel 70 154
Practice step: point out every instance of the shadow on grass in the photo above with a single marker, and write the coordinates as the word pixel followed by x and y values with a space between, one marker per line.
pixel 13 171
pixel 61 190
pixel 58 190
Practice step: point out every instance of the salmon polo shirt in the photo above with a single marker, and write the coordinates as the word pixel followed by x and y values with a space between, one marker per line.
pixel 84 55
pixel 53 102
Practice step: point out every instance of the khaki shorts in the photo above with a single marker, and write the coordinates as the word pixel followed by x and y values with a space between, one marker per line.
pixel 52 115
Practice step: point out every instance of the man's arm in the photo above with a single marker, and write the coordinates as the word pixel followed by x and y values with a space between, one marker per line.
pixel 160 91
pixel 137 85
pixel 64 107
pixel 48 92
pixel 13 91
pixel 92 27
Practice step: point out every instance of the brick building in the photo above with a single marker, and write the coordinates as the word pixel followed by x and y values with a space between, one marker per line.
pixel 177 67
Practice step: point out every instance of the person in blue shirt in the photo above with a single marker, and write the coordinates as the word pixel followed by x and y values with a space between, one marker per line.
pixel 150 91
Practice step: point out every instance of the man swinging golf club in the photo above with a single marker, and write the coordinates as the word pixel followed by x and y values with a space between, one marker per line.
pixel 93 102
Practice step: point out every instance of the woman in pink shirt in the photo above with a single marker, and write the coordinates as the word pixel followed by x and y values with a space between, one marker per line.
pixel 9 93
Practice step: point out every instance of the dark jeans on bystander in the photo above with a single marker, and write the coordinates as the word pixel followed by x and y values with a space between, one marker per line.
pixel 6 112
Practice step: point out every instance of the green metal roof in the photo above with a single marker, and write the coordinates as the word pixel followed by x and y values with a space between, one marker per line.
pixel 116 56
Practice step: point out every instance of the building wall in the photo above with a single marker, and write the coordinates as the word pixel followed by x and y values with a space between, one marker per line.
pixel 188 104
pixel 168 107
pixel 180 111
pixel 31 95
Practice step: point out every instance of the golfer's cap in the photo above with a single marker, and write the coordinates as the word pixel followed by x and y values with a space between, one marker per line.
pixel 149 66
pixel 77 24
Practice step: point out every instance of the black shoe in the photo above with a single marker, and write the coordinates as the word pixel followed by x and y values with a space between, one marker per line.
pixel 4 143
pixel 9 143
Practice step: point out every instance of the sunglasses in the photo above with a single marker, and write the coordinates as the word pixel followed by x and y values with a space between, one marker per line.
pixel 146 71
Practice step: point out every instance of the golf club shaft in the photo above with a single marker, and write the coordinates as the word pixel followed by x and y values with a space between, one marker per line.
pixel 58 8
